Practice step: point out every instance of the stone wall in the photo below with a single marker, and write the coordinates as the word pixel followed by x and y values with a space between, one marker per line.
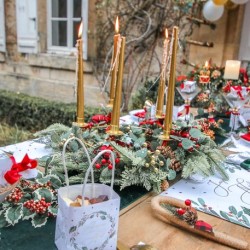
pixel 46 75
pixel 53 76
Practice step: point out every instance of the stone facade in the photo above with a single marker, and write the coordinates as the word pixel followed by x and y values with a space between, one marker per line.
pixel 47 75
pixel 52 76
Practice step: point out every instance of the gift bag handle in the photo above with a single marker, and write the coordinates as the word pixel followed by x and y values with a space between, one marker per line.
pixel 64 162
pixel 91 169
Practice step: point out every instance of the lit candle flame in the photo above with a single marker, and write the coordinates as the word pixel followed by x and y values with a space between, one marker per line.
pixel 166 33
pixel 206 64
pixel 80 31
pixel 117 25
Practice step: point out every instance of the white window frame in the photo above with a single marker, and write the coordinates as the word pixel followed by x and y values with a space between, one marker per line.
pixel 71 47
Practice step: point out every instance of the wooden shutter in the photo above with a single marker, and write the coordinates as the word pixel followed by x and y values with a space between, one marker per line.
pixel 26 14
pixel 2 26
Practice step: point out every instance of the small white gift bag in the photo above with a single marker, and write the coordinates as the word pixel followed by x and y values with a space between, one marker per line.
pixel 88 227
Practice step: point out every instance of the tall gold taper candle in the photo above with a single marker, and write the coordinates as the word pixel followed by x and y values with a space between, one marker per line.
pixel 161 89
pixel 114 70
pixel 80 83
pixel 171 89
pixel 115 117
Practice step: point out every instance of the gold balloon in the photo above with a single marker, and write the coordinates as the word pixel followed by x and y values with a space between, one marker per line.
pixel 219 2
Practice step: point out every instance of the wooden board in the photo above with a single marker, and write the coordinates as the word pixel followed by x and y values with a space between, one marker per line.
pixel 137 223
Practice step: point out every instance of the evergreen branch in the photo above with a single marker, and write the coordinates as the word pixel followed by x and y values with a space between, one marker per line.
pixel 54 128
pixel 129 154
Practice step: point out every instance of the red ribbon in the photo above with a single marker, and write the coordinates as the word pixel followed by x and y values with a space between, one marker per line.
pixel 187 108
pixel 227 88
pixel 101 118
pixel 238 89
pixel 140 114
pixel 151 122
pixel 13 175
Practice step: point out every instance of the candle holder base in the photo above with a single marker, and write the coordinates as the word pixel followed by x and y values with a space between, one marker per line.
pixel 110 104
pixel 160 116
pixel 114 130
pixel 164 137
pixel 80 124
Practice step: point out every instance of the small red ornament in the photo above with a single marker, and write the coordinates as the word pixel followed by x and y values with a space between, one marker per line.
pixel 110 166
pixel 117 160
pixel 179 144
pixel 185 134
pixel 97 165
pixel 181 211
pixel 188 202
pixel 104 161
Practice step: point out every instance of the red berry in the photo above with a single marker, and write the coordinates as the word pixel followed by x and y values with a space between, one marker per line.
pixel 106 155
pixel 110 166
pixel 117 160
pixel 190 149
pixel 104 161
pixel 185 134
pixel 188 202
pixel 179 144
pixel 181 211
pixel 97 165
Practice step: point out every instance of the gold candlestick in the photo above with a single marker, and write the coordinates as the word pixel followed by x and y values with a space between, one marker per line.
pixel 115 117
pixel 171 89
pixel 80 83
pixel 115 66
pixel 161 89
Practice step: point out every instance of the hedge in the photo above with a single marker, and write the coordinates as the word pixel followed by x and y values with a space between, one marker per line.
pixel 33 113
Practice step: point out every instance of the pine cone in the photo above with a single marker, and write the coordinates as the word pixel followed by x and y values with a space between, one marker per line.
pixel 167 152
pixel 164 185
pixel 190 216
pixel 175 165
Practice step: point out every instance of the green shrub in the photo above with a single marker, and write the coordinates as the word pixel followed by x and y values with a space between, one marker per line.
pixel 33 113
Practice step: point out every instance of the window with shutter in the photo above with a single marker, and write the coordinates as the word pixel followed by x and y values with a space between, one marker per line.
pixel 2 27
pixel 26 14
pixel 64 18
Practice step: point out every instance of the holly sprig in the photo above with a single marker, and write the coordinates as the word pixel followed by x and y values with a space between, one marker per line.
pixel 34 200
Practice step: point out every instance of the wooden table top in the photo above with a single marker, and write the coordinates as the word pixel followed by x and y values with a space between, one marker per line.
pixel 137 223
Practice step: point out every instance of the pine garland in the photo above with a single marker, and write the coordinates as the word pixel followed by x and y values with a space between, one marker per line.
pixel 129 154
pixel 137 165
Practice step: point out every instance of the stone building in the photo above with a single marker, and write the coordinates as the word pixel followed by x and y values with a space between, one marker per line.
pixel 37 45
pixel 39 62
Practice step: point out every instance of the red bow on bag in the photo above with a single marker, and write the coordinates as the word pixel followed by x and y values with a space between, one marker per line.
pixel 140 114
pixel 238 89
pixel 13 175
pixel 227 88
pixel 246 136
